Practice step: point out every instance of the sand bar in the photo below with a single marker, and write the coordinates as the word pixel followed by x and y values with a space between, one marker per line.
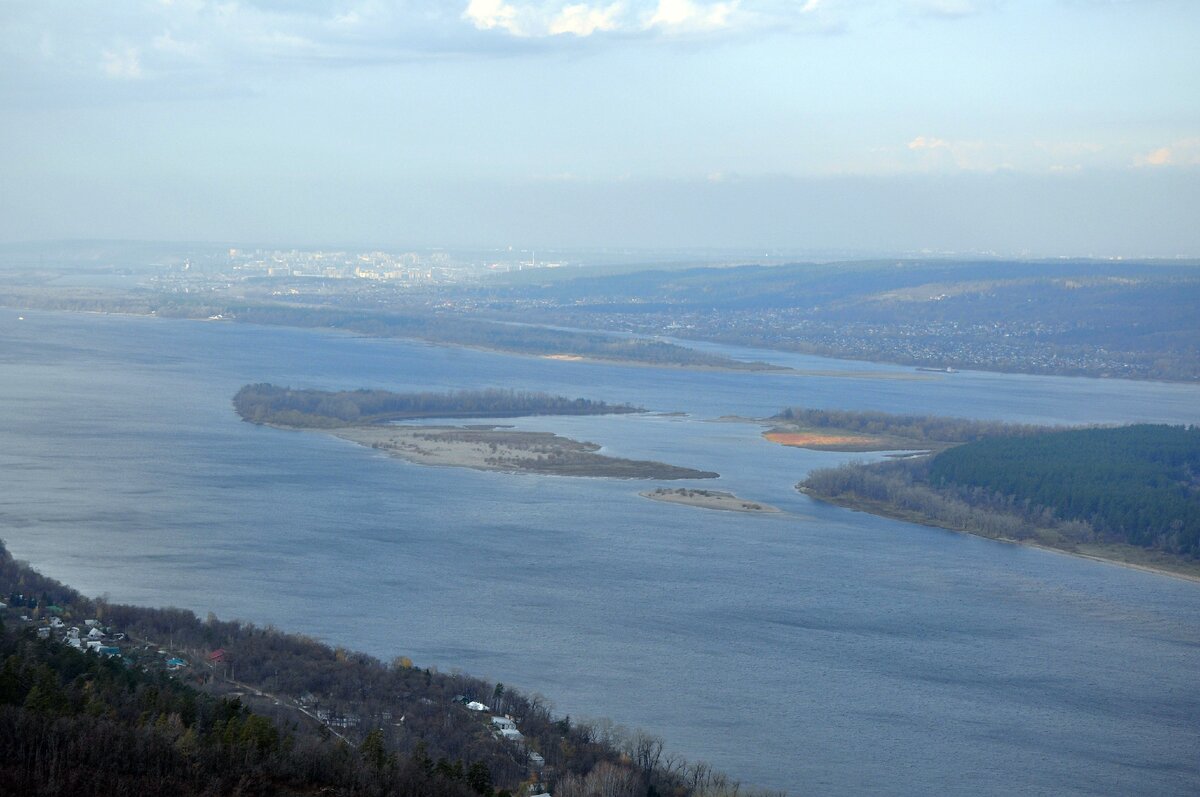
pixel 708 499
pixel 507 450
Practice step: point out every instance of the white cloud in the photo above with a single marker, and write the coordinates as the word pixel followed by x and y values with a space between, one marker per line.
pixel 584 20
pixel 928 142
pixel 959 155
pixel 492 14
pixel 1185 152
pixel 123 63
pixel 535 19
pixel 689 16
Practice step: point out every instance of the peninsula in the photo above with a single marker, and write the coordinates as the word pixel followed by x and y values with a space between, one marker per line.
pixel 1128 494
pixel 367 417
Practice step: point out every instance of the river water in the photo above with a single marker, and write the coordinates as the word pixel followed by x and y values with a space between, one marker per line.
pixel 823 651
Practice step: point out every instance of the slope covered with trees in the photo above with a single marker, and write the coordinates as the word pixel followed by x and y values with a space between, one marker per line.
pixel 191 707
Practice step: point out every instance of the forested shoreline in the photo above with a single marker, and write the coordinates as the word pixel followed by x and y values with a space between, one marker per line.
pixel 267 403
pixel 925 429
pixel 1079 490
pixel 191 706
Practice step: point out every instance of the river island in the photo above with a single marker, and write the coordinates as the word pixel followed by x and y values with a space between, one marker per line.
pixel 371 418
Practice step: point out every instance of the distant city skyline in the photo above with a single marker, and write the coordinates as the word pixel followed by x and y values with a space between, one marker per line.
pixel 1057 128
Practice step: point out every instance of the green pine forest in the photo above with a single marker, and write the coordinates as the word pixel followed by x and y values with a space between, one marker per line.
pixel 283 406
pixel 1137 484
pixel 1107 491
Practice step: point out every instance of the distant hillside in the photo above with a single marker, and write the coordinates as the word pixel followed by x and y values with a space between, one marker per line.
pixel 1101 318
pixel 267 403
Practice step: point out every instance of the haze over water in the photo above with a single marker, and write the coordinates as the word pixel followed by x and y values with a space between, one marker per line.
pixel 822 651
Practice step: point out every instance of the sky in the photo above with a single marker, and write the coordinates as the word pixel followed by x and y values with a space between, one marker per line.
pixel 1038 127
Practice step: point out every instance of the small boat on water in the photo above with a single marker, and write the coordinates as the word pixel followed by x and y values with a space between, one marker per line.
pixel 946 370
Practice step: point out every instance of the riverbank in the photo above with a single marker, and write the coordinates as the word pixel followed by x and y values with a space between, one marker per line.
pixel 709 499
pixel 507 450
pixel 1111 553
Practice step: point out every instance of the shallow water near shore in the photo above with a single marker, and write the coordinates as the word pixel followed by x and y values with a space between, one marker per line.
pixel 819 650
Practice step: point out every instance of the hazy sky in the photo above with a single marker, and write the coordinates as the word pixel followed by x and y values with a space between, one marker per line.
pixel 1047 126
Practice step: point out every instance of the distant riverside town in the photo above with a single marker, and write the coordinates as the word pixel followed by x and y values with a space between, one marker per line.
pixel 413 268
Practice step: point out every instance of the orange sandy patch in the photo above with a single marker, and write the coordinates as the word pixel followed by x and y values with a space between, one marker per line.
pixel 816 439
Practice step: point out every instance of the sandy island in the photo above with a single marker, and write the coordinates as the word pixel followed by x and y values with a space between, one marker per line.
pixel 708 499
pixel 508 450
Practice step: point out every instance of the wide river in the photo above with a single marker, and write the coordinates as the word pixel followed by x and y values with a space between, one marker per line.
pixel 822 650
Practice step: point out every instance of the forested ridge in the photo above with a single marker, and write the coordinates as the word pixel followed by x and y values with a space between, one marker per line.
pixel 267 403
pixel 80 724
pixel 1134 485
pixel 247 710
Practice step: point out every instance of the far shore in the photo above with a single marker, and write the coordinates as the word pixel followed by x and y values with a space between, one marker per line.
pixel 709 499
pixel 1113 554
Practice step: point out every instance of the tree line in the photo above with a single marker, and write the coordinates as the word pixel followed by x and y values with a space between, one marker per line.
pixel 920 428
pixel 267 403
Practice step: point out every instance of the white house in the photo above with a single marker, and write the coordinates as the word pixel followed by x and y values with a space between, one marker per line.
pixel 504 723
